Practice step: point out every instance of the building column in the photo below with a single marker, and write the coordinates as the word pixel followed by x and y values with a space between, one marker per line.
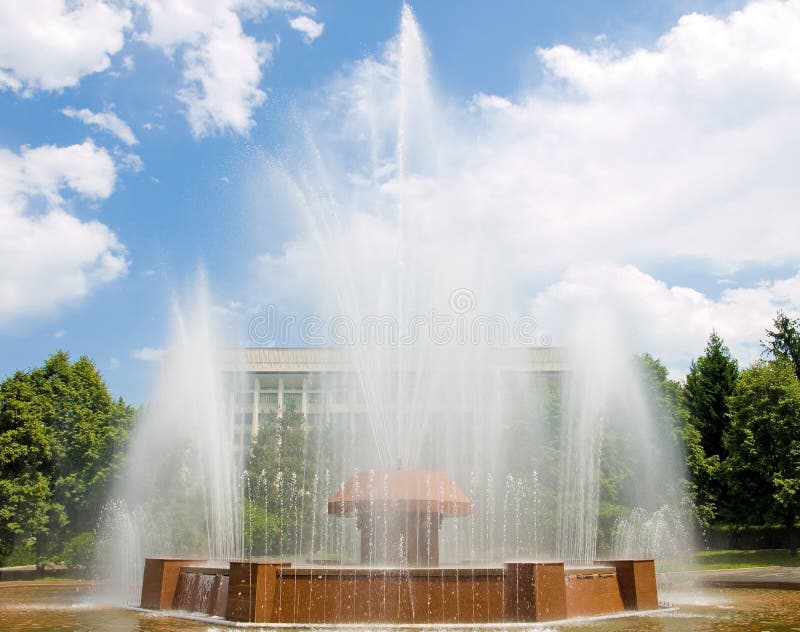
pixel 232 407
pixel 256 395
pixel 280 397
pixel 304 399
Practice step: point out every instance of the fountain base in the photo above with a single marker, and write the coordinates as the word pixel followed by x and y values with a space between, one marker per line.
pixel 277 592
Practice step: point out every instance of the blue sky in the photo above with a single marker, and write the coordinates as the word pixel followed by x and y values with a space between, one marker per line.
pixel 167 180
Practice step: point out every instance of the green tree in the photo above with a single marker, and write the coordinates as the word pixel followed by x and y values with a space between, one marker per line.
pixel 705 474
pixel 663 396
pixel 79 553
pixel 710 382
pixel 631 477
pixel 784 340
pixel 280 469
pixel 662 399
pixel 763 443
pixel 27 508
pixel 63 438
pixel 89 430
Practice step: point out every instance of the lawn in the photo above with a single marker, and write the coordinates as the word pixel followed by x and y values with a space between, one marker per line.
pixel 713 560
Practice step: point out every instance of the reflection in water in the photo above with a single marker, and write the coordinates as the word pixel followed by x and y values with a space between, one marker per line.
pixel 69 607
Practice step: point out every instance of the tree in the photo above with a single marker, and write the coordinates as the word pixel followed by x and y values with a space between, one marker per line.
pixel 27 508
pixel 624 463
pixel 79 553
pixel 784 340
pixel 280 470
pixel 710 382
pixel 631 477
pixel 61 443
pixel 763 443
pixel 663 396
pixel 88 429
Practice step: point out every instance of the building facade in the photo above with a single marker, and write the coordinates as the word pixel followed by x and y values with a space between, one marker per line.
pixel 321 383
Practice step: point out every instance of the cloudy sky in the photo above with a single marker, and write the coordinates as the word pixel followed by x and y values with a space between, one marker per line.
pixel 642 154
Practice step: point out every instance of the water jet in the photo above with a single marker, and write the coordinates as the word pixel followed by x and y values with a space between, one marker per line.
pixel 490 514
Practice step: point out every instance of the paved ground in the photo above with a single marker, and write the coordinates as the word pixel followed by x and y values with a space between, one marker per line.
pixel 783 577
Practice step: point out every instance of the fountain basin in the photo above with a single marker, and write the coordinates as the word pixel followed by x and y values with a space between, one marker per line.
pixel 277 592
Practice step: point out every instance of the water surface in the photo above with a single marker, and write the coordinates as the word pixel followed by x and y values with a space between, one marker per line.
pixel 71 607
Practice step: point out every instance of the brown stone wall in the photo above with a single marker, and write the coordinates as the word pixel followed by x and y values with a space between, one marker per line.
pixel 534 591
pixel 637 583
pixel 374 596
pixel 251 591
pixel 160 581
pixel 591 592
pixel 274 592
pixel 270 593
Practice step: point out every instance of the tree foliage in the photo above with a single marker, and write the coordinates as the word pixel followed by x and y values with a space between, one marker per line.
pixel 27 506
pixel 280 470
pixel 61 440
pixel 624 463
pixel 709 383
pixel 763 467
pixel 711 380
pixel 784 340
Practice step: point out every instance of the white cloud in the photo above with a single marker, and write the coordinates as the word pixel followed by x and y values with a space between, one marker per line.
pixel 52 44
pixel 221 65
pixel 149 354
pixel 672 323
pixel 106 121
pixel 113 363
pixel 308 27
pixel 49 257
pixel 482 101
pixel 651 158
pixel 682 150
pixel 128 161
pixel 59 334
pixel 222 77
pixel 230 309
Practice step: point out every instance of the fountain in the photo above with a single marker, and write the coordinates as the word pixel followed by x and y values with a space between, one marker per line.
pixel 399 578
pixel 399 513
pixel 454 488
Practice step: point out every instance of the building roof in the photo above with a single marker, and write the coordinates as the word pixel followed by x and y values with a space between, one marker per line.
pixel 341 360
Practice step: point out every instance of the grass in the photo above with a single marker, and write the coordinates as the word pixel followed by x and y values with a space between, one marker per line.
pixel 716 560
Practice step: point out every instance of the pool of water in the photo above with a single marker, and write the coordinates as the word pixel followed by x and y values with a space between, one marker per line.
pixel 73 606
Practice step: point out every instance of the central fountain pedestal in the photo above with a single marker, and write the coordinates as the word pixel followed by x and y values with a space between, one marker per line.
pixel 398 514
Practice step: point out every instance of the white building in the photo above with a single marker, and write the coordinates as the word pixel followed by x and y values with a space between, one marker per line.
pixel 319 382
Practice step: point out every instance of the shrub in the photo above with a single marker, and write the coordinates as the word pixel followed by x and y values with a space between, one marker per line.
pixel 79 553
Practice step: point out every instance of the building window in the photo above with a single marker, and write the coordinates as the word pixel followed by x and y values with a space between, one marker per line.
pixel 292 400
pixel 314 419
pixel 244 397
pixel 268 401
pixel 314 398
